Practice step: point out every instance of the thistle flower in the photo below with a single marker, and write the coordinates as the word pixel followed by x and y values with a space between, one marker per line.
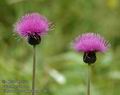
pixel 90 43
pixel 32 26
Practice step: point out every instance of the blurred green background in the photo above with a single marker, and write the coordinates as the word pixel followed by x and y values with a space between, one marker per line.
pixel 60 70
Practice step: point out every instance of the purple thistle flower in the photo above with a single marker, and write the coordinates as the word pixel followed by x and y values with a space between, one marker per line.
pixel 90 43
pixel 32 26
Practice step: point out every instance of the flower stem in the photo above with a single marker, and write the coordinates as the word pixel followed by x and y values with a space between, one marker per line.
pixel 33 76
pixel 89 78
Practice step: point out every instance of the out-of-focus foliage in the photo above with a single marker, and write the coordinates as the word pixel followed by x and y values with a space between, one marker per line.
pixel 60 70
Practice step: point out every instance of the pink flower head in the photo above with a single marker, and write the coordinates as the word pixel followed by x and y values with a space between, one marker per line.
pixel 90 42
pixel 32 24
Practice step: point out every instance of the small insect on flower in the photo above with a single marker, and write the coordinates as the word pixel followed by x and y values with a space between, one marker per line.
pixel 32 26
pixel 90 43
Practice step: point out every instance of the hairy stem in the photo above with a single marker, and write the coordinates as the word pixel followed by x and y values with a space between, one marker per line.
pixel 88 80
pixel 33 76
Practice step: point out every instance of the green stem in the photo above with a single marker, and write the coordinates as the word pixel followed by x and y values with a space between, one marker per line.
pixel 33 76
pixel 89 78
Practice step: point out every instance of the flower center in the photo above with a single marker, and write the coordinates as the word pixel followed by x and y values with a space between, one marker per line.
pixel 34 39
pixel 89 57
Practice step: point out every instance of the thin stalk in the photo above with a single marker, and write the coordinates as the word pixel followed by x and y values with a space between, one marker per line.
pixel 34 69
pixel 88 80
